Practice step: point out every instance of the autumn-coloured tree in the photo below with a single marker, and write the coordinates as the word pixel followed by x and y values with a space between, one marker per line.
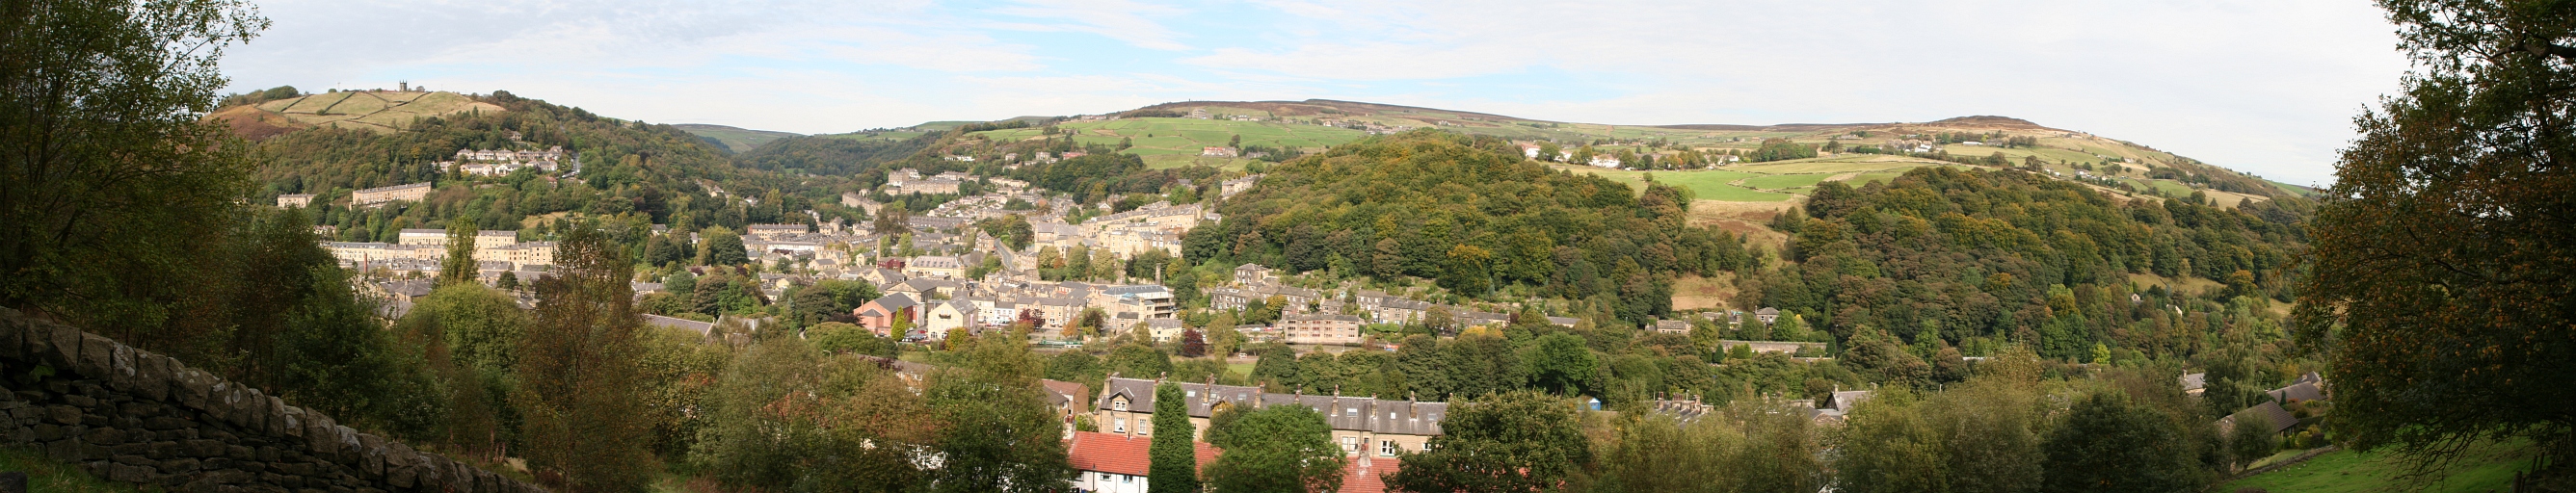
pixel 2442 267
pixel 585 424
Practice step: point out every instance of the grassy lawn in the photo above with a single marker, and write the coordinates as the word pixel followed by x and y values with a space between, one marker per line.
pixel 46 476
pixel 2487 469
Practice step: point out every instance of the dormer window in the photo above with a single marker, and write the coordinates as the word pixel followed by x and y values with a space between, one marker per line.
pixel 1118 404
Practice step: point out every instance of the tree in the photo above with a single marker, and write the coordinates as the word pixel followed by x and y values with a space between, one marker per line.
pixel 999 434
pixel 1136 360
pixel 2250 439
pixel 1284 449
pixel 2110 443
pixel 114 198
pixel 1656 453
pixel 722 247
pixel 459 265
pixel 1888 446
pixel 1193 344
pixel 2442 273
pixel 892 219
pixel 1174 466
pixel 1561 364
pixel 1514 442
pixel 578 372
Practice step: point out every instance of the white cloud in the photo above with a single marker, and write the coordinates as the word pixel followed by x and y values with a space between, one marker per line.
pixel 1122 20
pixel 2267 87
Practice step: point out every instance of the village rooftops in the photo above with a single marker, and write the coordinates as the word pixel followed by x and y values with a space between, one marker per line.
pixel 1386 416
pixel 406 186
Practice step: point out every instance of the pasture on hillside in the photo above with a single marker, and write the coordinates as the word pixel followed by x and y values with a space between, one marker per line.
pixel 379 111
pixel 1186 136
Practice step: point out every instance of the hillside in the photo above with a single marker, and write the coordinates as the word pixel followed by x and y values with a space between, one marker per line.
pixel 734 139
pixel 372 111
pixel 611 167
pixel 1173 134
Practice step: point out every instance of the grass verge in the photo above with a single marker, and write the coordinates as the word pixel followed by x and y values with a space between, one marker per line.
pixel 46 476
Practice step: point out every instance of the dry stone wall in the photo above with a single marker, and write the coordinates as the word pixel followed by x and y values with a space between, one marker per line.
pixel 132 416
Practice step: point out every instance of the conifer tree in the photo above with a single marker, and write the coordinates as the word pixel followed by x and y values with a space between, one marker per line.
pixel 1175 467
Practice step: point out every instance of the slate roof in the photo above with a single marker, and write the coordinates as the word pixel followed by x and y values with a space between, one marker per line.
pixel 2280 419
pixel 702 328
pixel 2302 391
pixel 896 301
pixel 1390 416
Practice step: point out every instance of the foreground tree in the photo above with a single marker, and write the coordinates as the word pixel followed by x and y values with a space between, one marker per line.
pixel 1520 441
pixel 999 434
pixel 1174 456
pixel 1276 449
pixel 2109 443
pixel 113 197
pixel 584 419
pixel 2443 263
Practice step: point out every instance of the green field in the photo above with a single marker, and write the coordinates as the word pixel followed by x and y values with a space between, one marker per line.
pixel 1186 136
pixel 1704 184
pixel 2341 471
pixel 372 110
pixel 735 139
pixel 1161 161
pixel 1785 182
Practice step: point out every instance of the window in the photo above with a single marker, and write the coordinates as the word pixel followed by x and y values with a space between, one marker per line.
pixel 1351 445
pixel 1118 404
pixel 1104 476
pixel 1353 411
pixel 1388 448
pixel 1126 478
pixel 1121 427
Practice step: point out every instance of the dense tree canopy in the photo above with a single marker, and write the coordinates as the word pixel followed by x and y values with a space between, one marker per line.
pixel 1471 213
pixel 1951 255
pixel 2442 271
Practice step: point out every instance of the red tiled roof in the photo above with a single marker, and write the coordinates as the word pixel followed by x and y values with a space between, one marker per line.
pixel 1118 454
pixel 1366 474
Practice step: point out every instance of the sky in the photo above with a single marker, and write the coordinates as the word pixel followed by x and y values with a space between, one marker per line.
pixel 2268 88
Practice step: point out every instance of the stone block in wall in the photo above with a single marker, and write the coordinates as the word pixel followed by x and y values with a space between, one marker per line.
pixel 371 452
pixel 66 349
pixel 153 381
pixel 13 330
pixel 291 422
pixel 95 352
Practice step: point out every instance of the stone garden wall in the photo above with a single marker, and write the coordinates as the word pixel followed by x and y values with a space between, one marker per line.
pixel 132 416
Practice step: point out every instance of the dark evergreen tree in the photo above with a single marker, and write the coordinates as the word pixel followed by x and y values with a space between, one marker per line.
pixel 1174 462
